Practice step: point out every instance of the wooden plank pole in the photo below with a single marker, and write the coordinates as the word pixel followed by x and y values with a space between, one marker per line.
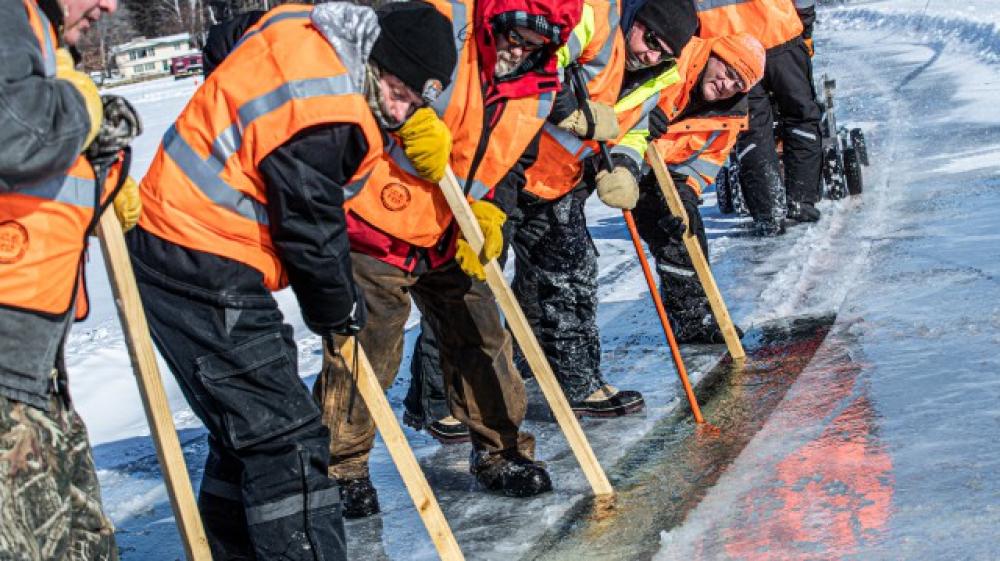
pixel 525 337
pixel 409 469
pixel 154 397
pixel 718 305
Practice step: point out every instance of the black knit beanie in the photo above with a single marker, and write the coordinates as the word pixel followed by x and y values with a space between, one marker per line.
pixel 417 45
pixel 674 21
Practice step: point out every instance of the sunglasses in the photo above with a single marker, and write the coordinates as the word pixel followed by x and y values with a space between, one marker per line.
pixel 515 39
pixel 653 43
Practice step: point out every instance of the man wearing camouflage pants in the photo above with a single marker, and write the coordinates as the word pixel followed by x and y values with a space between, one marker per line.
pixel 50 503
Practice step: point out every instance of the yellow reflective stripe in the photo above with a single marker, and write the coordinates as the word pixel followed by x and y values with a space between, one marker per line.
pixel 633 145
pixel 581 36
pixel 649 89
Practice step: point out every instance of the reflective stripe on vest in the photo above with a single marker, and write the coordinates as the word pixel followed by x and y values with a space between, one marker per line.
pixel 204 189
pixel 398 202
pixel 44 224
pixel 44 31
pixel 773 22
pixel 705 5
pixel 460 23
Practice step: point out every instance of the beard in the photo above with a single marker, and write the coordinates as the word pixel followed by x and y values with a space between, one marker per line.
pixel 632 63
pixel 505 65
pixel 373 95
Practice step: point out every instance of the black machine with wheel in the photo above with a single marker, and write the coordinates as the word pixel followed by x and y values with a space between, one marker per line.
pixel 844 154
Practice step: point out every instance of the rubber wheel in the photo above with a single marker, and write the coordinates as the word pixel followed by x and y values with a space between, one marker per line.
pixel 852 172
pixel 833 176
pixel 859 144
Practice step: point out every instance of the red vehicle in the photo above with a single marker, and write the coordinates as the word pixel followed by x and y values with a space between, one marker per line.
pixel 186 65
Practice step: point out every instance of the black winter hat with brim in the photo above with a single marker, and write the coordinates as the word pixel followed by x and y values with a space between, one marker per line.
pixel 674 21
pixel 416 44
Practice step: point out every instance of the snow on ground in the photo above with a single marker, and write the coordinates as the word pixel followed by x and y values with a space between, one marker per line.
pixel 900 69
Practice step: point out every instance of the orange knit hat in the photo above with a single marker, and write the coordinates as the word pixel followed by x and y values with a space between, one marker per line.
pixel 745 54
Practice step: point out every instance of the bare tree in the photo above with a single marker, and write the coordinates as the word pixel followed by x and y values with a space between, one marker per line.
pixel 111 30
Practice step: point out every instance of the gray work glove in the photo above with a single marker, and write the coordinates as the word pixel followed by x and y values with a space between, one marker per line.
pixel 121 124
pixel 602 123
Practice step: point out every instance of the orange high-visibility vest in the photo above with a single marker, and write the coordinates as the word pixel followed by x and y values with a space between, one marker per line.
pixel 559 166
pixel 44 225
pixel 772 22
pixel 203 190
pixel 696 147
pixel 397 201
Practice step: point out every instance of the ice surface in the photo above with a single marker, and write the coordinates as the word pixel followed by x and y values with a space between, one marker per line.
pixel 884 448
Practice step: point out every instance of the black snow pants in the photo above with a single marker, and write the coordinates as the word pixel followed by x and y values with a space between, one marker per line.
pixel 788 80
pixel 265 494
pixel 555 281
pixel 683 297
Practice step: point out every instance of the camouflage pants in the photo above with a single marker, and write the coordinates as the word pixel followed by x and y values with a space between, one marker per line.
pixel 50 502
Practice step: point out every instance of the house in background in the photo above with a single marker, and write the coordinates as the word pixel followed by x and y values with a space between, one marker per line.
pixel 143 57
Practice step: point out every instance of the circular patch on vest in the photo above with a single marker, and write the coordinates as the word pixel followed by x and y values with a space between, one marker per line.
pixel 395 196
pixel 13 242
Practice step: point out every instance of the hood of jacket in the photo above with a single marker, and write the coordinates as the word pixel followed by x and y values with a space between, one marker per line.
pixel 544 77
pixel 352 30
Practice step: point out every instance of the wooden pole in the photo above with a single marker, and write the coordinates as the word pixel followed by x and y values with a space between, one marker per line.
pixel 154 397
pixel 423 498
pixel 525 337
pixel 668 332
pixel 718 305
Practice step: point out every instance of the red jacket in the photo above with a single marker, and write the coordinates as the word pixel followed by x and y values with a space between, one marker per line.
pixel 366 238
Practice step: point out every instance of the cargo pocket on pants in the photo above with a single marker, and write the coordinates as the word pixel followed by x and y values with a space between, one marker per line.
pixel 257 391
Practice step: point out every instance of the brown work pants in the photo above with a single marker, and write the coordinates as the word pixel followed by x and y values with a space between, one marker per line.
pixel 484 390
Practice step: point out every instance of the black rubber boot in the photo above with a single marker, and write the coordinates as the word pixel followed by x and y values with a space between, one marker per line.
pixel 609 402
pixel 768 228
pixel 509 473
pixel 705 331
pixel 358 497
pixel 448 431
pixel 802 212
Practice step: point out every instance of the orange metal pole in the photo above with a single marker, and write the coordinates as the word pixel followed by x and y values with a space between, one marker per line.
pixel 655 294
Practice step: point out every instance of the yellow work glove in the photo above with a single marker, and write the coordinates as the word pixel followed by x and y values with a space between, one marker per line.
pixel 605 126
pixel 618 188
pixel 128 204
pixel 87 89
pixel 491 220
pixel 809 47
pixel 427 143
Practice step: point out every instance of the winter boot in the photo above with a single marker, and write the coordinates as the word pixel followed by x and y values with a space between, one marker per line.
pixel 358 497
pixel 609 401
pixel 687 306
pixel 802 212
pixel 509 473
pixel 448 430
pixel 768 228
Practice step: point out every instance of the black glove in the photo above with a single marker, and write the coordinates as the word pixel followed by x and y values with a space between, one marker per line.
pixel 355 321
pixel 658 123
pixel 674 227
pixel 121 125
